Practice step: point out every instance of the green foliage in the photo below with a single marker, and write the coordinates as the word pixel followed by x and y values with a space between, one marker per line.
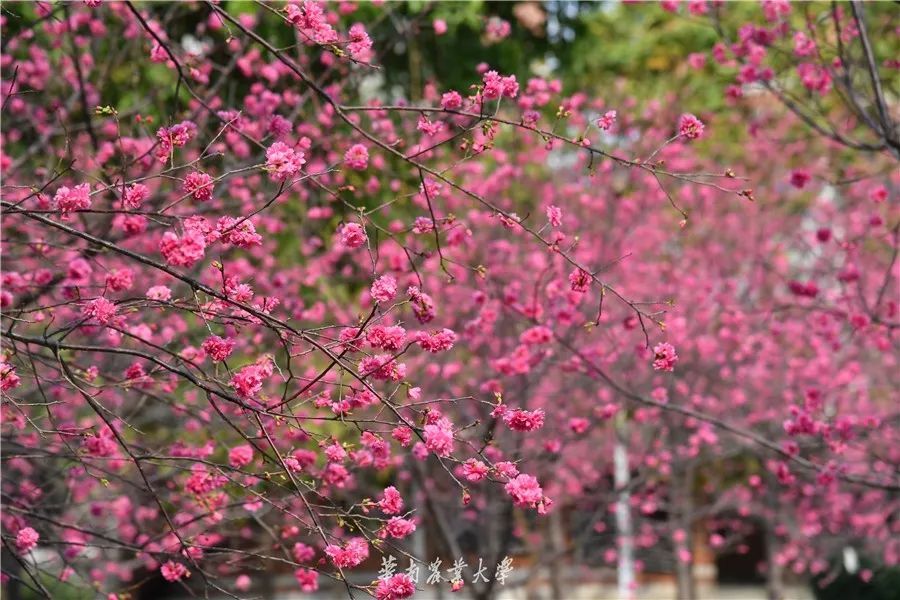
pixel 884 585
pixel 58 590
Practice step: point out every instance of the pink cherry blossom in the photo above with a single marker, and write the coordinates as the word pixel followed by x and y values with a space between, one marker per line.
pixel 664 358
pixel 199 185
pixel 100 310
pixel 283 162
pixel 307 579
pixel 240 456
pixel 218 348
pixel 183 251
pixel 172 571
pixel 395 587
pixel 135 195
pixel 353 235
pixel 607 121
pixel 351 554
pixel 26 539
pixel 384 289
pixel 690 127
pixel 68 199
pixel 357 157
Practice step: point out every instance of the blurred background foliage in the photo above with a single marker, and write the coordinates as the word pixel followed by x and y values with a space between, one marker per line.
pixel 590 46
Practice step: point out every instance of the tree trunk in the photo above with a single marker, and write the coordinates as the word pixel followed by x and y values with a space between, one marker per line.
pixel 685 578
pixel 682 509
pixel 774 571
pixel 555 564
pixel 624 527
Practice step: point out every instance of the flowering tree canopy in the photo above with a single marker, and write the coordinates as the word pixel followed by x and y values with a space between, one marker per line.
pixel 269 304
